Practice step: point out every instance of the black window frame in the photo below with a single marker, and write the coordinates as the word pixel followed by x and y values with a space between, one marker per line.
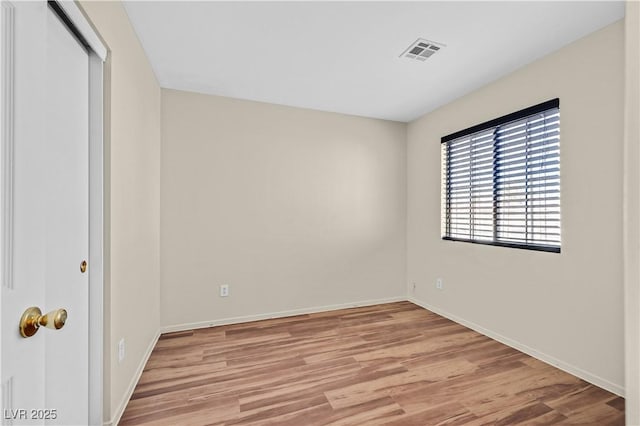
pixel 494 124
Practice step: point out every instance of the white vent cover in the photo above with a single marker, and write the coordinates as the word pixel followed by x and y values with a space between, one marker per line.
pixel 421 49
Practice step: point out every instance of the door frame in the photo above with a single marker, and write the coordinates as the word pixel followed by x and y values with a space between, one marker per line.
pixel 77 23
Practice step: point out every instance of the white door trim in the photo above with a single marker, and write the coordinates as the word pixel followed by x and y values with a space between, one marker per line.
pixel 81 24
pixel 96 241
pixel 7 43
pixel 6 127
pixel 97 55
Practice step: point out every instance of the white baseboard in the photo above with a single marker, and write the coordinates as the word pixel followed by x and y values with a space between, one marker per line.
pixel 571 369
pixel 134 381
pixel 281 314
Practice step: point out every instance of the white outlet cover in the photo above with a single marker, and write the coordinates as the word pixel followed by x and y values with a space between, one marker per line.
pixel 224 290
pixel 121 350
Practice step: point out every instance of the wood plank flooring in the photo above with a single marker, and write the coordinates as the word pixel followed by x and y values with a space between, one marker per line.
pixel 392 364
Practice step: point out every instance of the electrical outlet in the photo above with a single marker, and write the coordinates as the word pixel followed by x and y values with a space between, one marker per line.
pixel 439 284
pixel 413 287
pixel 121 350
pixel 224 290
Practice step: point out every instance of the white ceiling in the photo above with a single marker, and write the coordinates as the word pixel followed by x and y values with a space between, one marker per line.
pixel 344 56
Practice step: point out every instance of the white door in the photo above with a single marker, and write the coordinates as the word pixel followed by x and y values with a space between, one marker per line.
pixel 45 376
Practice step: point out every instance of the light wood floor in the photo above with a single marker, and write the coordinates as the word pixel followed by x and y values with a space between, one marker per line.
pixel 394 364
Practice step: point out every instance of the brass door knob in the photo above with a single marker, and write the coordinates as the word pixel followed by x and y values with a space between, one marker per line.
pixel 32 320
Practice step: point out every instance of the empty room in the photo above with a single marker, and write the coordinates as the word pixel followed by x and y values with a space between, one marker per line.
pixel 320 213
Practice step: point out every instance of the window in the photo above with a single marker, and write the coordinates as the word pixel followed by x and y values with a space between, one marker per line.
pixel 501 181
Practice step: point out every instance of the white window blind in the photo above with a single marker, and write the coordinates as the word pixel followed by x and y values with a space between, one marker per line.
pixel 501 181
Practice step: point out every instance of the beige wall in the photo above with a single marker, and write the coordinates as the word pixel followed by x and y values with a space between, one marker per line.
pixel 132 166
pixel 564 307
pixel 298 209
pixel 292 208
pixel 632 212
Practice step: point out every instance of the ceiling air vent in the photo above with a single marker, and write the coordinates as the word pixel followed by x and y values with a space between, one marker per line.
pixel 421 49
